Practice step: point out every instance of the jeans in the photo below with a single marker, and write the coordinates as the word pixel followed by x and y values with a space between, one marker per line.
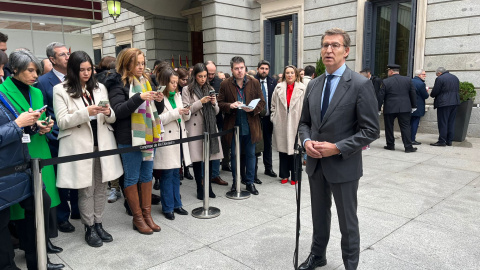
pixel 247 148
pixel 170 190
pixel 214 168
pixel 135 169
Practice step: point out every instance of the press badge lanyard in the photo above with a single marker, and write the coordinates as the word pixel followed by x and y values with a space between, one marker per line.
pixel 25 137
pixel 240 94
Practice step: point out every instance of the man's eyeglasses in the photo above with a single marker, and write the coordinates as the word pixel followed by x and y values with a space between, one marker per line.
pixel 335 46
pixel 64 54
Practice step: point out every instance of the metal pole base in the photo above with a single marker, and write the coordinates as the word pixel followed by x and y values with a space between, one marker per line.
pixel 242 195
pixel 200 212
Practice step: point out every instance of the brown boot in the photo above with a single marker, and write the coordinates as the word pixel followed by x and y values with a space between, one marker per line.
pixel 145 190
pixel 131 194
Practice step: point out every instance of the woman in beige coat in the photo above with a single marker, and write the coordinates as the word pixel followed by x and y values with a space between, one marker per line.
pixel 204 108
pixel 287 103
pixel 168 159
pixel 84 127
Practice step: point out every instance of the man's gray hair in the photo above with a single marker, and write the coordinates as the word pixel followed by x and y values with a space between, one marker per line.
pixel 441 70
pixel 21 59
pixel 418 72
pixel 51 46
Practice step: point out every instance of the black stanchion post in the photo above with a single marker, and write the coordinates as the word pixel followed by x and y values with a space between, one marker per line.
pixel 39 221
pixel 298 176
pixel 206 212
pixel 237 194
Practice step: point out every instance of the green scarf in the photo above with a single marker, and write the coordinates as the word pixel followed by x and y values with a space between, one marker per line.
pixel 171 99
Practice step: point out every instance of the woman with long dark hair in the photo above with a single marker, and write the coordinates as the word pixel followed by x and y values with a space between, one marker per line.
pixel 287 104
pixel 136 108
pixel 168 159
pixel 204 108
pixel 83 118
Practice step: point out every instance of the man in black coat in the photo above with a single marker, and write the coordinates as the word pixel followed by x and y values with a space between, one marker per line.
pixel 268 85
pixel 447 98
pixel 400 99
pixel 376 81
pixel 422 94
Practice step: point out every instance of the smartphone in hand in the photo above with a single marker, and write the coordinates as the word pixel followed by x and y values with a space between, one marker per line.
pixel 41 109
pixel 103 103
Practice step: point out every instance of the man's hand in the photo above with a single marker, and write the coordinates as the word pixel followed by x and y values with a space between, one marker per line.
pixel 247 109
pixel 235 104
pixel 326 149
pixel 311 151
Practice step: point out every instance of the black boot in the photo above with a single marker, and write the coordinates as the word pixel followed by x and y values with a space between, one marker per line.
pixel 210 190
pixel 51 248
pixel 104 235
pixel 199 188
pixel 91 237
pixel 156 186
pixel 186 173
pixel 127 208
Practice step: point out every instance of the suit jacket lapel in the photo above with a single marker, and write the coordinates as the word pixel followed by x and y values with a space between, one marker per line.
pixel 53 79
pixel 15 96
pixel 340 91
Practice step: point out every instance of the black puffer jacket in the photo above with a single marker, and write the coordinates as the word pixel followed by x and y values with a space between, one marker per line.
pixel 123 106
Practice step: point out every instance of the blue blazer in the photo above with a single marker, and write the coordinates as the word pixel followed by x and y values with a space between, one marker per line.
pixel 46 83
pixel 271 83
pixel 422 94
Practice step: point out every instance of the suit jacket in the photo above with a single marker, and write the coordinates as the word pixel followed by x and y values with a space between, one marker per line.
pixel 422 94
pixel 377 83
pixel 228 95
pixel 75 137
pixel 398 95
pixel 46 83
pixel 351 122
pixel 446 90
pixel 271 83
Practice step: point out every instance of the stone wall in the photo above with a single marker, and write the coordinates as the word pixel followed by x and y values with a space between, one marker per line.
pixel 231 28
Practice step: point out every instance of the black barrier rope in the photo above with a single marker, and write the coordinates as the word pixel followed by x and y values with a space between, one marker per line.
pixel 65 159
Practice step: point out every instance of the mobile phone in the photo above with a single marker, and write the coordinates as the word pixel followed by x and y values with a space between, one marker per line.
pixel 47 120
pixel 211 92
pixel 187 106
pixel 161 88
pixel 103 103
pixel 44 107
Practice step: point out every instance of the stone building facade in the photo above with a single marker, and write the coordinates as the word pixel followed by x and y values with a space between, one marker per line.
pixel 414 33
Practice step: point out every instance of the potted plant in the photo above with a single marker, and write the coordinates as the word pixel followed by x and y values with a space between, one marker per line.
pixel 462 119
pixel 320 68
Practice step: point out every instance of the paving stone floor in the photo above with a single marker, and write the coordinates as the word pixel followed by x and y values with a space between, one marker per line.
pixel 416 211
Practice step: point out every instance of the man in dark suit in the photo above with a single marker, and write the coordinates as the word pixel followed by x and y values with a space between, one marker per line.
pixel 268 85
pixel 399 99
pixel 339 117
pixel 446 92
pixel 376 81
pixel 58 54
pixel 422 94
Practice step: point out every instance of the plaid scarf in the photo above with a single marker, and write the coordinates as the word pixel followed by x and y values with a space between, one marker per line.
pixel 146 125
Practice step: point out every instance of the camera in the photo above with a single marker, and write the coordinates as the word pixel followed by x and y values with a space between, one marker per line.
pixel 211 92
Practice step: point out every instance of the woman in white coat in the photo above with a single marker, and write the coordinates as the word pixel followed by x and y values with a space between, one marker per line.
pixel 287 103
pixel 204 108
pixel 84 127
pixel 168 159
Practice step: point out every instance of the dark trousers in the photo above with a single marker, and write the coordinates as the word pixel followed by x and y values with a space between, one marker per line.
pixel 287 167
pixel 345 195
pixel 414 121
pixel 403 122
pixel 267 130
pixel 226 151
pixel 446 123
pixel 63 209
pixel 26 231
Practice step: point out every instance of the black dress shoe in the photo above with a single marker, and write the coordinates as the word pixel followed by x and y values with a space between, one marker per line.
pixel 449 143
pixel 438 144
pixel 234 187
pixel 66 227
pixel 54 266
pixel 104 235
pixel 155 199
pixel 251 188
pixel 75 216
pixel 52 249
pixel 257 181
pixel 270 173
pixel 410 149
pixel 416 143
pixel 227 168
pixel 243 182
pixel 91 237
pixel 180 211
pixel 312 262
pixel 170 215
pixel 387 147
pixel 156 185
